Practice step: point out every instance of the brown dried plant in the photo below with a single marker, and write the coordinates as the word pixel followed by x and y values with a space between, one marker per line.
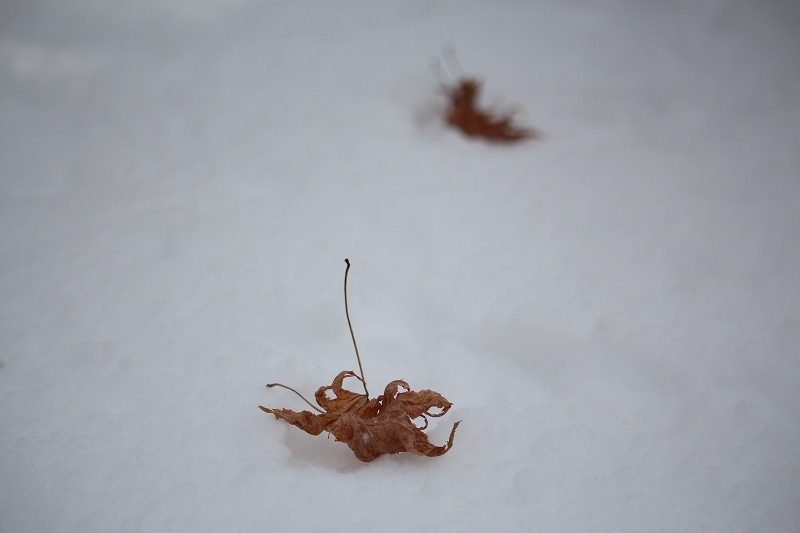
pixel 373 427
pixel 464 113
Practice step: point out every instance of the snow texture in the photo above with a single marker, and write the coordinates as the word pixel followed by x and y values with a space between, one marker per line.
pixel 614 310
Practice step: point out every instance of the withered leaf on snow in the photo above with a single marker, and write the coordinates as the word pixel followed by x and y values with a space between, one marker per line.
pixel 374 427
pixel 371 427
pixel 463 113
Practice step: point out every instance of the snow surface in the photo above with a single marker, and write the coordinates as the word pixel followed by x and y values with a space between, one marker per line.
pixel 614 310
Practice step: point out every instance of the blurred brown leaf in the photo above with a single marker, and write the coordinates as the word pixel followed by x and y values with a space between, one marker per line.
pixel 463 113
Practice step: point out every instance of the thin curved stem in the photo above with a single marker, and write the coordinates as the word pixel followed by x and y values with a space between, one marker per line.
pixel 270 385
pixel 453 64
pixel 347 312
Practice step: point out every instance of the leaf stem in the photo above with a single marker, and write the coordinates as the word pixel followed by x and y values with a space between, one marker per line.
pixel 347 312
pixel 270 385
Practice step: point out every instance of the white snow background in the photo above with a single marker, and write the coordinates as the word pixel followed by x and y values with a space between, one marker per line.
pixel 613 310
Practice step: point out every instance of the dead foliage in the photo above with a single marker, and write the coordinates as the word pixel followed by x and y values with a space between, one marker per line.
pixel 371 427
pixel 374 427
pixel 463 113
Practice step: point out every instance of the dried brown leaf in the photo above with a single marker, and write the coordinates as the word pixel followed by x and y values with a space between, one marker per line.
pixel 463 113
pixel 374 427
pixel 370 427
